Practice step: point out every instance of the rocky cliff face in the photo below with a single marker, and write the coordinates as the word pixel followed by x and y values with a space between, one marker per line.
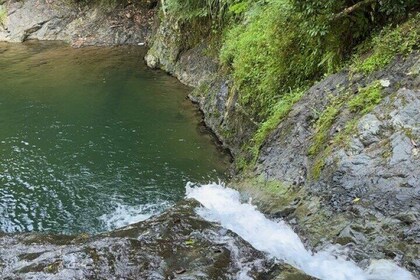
pixel 77 24
pixel 352 178
pixel 362 188
pixel 195 66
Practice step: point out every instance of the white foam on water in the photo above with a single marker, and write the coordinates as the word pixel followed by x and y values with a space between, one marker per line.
pixel 124 215
pixel 223 205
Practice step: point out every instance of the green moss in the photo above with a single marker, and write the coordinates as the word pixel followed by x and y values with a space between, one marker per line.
pixel 280 111
pixel 387 149
pixel 366 99
pixel 275 187
pixel 343 137
pixel 201 90
pixel 3 15
pixel 409 133
pixel 318 165
pixel 323 127
pixel 242 163
pixel 390 42
pixel 276 193
pixel 53 267
pixel 251 150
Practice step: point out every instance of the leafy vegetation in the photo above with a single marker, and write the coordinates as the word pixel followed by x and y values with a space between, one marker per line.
pixel 266 65
pixel 280 111
pixel 323 126
pixel 275 48
pixel 386 45
pixel 189 10
pixel 360 104
pixel 3 15
pixel 366 99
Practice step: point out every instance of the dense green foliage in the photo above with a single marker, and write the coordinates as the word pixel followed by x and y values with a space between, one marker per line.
pixel 267 58
pixel 276 48
pixel 188 10
pixel 383 47
pixel 280 110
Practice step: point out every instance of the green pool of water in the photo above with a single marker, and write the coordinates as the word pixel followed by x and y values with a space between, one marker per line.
pixel 91 140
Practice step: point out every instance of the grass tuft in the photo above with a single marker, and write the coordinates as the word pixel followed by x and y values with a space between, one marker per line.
pixel 376 53
pixel 3 15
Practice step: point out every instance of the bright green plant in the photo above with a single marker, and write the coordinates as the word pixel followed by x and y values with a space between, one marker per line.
pixel 3 15
pixel 280 111
pixel 268 57
pixel 383 47
pixel 366 99
pixel 189 10
pixel 323 126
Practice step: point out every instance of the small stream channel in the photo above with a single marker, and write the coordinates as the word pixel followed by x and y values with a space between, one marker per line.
pixel 277 239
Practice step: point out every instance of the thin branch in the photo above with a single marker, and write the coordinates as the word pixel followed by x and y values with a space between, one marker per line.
pixel 353 8
pixel 163 7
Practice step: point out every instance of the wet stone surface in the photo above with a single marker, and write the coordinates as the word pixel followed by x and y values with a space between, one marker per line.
pixel 175 245
pixel 366 194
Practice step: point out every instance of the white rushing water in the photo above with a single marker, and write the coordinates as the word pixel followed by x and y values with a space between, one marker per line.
pixel 223 205
pixel 124 215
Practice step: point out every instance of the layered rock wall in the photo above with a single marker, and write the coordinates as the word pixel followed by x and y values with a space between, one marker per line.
pixel 361 188
pixel 77 24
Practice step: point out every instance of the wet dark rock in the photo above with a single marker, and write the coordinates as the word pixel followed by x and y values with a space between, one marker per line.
pixel 290 273
pixel 283 213
pixel 194 66
pixel 223 115
pixel 408 217
pixel 350 235
pixel 369 128
pixel 177 244
pixel 168 51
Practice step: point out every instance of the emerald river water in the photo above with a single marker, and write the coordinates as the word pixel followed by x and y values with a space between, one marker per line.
pixel 90 139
